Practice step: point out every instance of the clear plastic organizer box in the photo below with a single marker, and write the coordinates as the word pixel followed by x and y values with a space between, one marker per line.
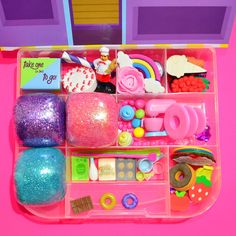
pixel 157 199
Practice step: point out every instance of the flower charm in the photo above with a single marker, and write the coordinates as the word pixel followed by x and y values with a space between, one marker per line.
pixel 130 80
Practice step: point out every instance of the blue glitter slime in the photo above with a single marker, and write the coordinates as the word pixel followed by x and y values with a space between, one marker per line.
pixel 40 176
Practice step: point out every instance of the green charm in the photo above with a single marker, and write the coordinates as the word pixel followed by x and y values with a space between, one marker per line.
pixel 80 168
pixel 180 193
pixel 204 180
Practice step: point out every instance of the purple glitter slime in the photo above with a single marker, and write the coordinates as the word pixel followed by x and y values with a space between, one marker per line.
pixel 40 119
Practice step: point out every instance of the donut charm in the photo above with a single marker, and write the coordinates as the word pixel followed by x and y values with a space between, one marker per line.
pixel 126 201
pixel 177 121
pixel 108 201
pixel 187 180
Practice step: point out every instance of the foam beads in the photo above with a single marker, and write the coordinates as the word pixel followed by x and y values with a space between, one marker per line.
pixel 40 119
pixel 91 119
pixel 146 65
pixel 127 113
pixel 188 84
pixel 130 80
pixel 125 139
pixel 140 113
pixel 178 65
pixel 138 132
pixel 80 79
pixel 183 121
pixel 40 176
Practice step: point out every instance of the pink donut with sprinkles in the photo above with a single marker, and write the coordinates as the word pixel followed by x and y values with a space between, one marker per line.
pixel 80 79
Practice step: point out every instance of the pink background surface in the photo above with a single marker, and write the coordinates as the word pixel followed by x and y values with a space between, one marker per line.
pixel 220 219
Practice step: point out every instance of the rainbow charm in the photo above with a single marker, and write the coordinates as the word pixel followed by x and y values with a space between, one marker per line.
pixel 146 65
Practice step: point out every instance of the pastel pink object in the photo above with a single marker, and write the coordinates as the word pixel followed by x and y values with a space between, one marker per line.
pixel 193 121
pixel 130 80
pixel 156 106
pixel 139 103
pixel 153 124
pixel 177 121
pixel 201 120
pixel 92 119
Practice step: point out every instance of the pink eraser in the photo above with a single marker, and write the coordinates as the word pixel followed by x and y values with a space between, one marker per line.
pixel 92 119
pixel 156 106
pixel 201 120
pixel 153 124
pixel 193 121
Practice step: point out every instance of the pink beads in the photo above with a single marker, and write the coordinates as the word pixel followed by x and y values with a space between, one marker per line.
pixel 139 103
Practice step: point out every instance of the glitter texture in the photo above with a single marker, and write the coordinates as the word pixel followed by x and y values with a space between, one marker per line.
pixel 40 120
pixel 92 119
pixel 40 176
pixel 205 135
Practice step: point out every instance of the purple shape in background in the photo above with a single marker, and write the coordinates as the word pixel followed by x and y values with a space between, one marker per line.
pixel 180 20
pixel 97 34
pixel 27 10
pixel 174 21
pixel 31 22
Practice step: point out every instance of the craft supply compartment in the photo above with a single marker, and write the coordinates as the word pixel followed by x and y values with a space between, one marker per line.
pixel 128 138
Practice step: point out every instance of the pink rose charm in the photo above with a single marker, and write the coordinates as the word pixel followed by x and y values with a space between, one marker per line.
pixel 130 80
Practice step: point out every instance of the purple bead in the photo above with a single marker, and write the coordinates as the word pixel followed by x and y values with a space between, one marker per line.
pixel 205 135
pixel 40 119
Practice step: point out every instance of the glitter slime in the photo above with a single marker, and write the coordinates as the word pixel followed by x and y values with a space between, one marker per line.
pixel 92 119
pixel 40 119
pixel 40 176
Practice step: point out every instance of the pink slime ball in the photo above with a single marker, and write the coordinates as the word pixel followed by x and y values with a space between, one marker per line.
pixel 92 119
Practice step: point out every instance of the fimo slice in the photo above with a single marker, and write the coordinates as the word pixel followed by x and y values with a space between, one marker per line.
pixel 178 65
pixel 80 79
